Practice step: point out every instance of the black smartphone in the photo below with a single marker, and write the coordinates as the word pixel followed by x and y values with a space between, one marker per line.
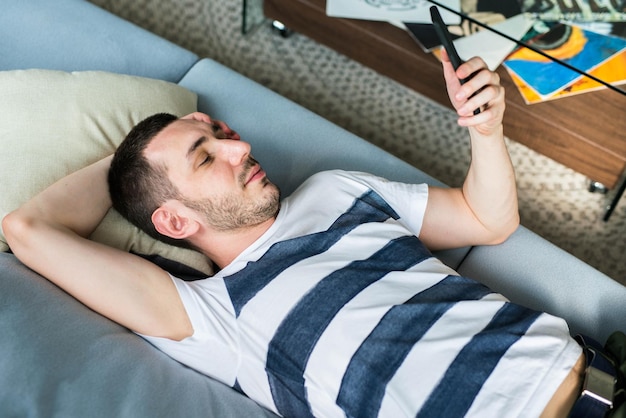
pixel 444 37
pixel 446 40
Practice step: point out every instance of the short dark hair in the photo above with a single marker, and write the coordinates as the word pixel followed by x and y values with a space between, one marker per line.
pixel 136 186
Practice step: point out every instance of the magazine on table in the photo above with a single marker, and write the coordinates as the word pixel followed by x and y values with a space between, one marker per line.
pixel 580 48
pixel 613 71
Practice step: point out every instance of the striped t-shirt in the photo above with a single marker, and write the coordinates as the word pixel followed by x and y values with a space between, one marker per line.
pixel 339 310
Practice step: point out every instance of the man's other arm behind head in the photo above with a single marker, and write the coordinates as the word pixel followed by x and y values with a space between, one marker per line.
pixel 49 234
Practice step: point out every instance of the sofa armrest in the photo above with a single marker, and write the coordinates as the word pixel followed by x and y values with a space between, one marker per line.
pixel 535 273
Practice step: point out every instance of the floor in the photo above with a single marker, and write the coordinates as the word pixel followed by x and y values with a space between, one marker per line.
pixel 554 201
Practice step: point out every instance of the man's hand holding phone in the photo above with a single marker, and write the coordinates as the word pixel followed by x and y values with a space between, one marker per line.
pixel 482 90
pixel 471 86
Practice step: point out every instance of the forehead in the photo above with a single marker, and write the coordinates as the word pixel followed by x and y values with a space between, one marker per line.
pixel 175 140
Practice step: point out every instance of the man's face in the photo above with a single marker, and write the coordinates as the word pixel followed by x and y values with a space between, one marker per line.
pixel 215 173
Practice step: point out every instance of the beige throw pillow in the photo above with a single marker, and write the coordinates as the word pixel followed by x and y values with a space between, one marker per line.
pixel 53 123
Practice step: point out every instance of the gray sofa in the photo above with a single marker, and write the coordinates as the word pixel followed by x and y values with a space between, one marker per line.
pixel 58 358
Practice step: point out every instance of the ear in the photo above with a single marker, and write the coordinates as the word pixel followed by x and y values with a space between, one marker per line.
pixel 168 220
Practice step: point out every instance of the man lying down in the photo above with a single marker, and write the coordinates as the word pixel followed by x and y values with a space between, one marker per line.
pixel 327 303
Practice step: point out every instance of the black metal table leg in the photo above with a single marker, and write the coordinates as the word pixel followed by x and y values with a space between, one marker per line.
pixel 616 198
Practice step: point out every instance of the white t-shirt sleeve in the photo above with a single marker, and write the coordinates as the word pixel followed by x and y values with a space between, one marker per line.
pixel 213 349
pixel 407 200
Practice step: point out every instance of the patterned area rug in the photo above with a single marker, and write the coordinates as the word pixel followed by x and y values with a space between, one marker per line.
pixel 554 201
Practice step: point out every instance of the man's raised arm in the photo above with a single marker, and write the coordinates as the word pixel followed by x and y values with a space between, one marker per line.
pixel 484 210
pixel 49 234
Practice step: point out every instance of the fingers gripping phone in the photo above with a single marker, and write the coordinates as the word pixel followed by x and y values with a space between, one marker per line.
pixel 446 40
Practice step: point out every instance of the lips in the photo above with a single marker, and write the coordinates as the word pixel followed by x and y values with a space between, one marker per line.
pixel 256 172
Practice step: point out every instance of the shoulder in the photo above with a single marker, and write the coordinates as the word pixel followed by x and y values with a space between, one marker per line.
pixel 327 184
pixel 344 178
pixel 331 185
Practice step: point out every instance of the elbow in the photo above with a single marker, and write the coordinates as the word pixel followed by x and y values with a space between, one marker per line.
pixel 15 228
pixel 9 226
pixel 505 229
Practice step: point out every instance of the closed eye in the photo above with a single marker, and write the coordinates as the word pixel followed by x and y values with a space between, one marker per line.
pixel 207 160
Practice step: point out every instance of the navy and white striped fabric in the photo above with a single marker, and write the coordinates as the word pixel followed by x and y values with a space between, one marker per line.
pixel 339 310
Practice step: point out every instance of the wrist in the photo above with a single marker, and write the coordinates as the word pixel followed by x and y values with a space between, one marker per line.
pixel 492 133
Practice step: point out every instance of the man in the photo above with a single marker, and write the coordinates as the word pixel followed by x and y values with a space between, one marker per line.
pixel 328 303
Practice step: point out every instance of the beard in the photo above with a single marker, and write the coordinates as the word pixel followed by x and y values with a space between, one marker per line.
pixel 233 212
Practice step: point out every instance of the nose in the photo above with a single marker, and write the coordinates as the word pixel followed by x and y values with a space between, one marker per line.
pixel 235 151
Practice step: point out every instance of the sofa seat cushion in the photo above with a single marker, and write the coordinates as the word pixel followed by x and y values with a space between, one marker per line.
pixel 60 359
pixel 55 123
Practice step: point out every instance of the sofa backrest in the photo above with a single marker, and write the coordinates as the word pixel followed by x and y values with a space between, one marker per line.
pixel 75 35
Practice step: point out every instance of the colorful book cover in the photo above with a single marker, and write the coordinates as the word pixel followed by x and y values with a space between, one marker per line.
pixel 580 10
pixel 581 49
pixel 613 71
